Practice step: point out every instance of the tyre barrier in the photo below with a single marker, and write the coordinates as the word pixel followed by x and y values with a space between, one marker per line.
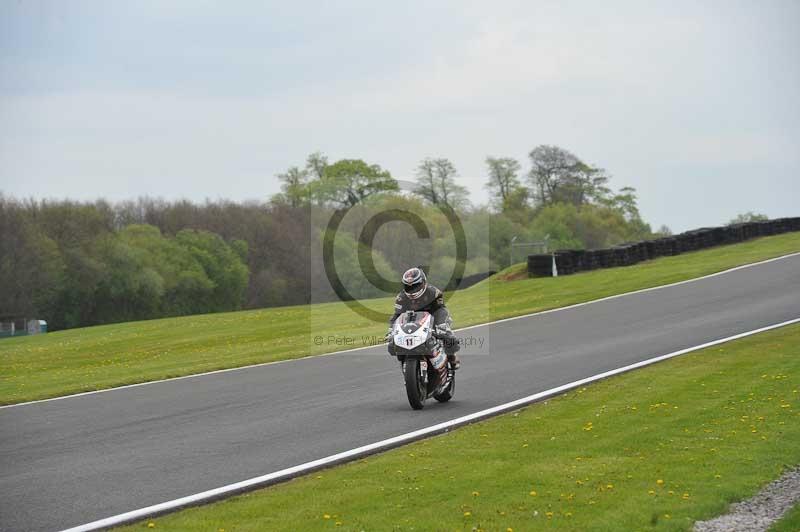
pixel 568 261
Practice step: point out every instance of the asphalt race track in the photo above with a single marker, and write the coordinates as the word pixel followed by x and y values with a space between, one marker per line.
pixel 76 460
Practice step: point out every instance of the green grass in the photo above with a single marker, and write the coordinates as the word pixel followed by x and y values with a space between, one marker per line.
pixel 112 355
pixel 654 449
pixel 790 522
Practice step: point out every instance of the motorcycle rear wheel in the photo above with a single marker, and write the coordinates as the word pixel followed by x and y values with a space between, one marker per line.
pixel 415 388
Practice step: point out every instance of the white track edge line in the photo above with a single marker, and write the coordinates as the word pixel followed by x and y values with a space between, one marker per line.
pixel 485 324
pixel 285 474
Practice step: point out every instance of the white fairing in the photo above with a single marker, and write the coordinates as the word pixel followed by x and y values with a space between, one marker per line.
pixel 413 339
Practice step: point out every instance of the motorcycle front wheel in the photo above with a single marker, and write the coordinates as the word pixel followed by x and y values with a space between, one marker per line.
pixel 415 387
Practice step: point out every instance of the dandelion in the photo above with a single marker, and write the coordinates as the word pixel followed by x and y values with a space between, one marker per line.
pixel 475 493
pixel 532 493
pixel 660 482
pixel 610 486
pixel 549 515
pixel 651 492
pixel 326 516
pixel 151 525
pixel 667 516
pixel 467 514
pixel 685 496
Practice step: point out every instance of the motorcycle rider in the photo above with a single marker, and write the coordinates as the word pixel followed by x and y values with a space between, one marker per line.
pixel 418 295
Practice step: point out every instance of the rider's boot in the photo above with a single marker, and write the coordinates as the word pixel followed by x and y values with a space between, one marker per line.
pixel 455 362
pixel 451 347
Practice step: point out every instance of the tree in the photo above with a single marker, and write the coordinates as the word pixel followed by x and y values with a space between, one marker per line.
pixel 316 163
pixel 664 230
pixel 749 216
pixel 31 266
pixel 350 181
pixel 130 289
pixel 551 168
pixel 436 183
pixel 503 180
pixel 583 184
pixel 222 265
pixel 624 202
pixel 295 186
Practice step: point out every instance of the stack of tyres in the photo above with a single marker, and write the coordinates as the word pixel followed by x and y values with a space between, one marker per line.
pixel 590 260
pixel 780 225
pixel 564 262
pixel 750 230
pixel 733 233
pixel 606 257
pixel 702 238
pixel 571 261
pixel 578 258
pixel 620 256
pixel 684 242
pixel 674 248
pixel 718 236
pixel 652 249
pixel 642 253
pixel 540 265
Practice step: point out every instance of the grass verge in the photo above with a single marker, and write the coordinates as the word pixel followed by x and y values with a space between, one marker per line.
pixel 100 357
pixel 790 522
pixel 655 449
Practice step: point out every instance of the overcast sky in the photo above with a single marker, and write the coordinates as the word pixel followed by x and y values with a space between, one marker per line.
pixel 696 104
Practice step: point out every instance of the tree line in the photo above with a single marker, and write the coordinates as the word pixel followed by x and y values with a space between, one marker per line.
pixel 84 263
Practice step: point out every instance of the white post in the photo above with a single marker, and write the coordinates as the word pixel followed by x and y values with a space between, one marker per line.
pixel 555 268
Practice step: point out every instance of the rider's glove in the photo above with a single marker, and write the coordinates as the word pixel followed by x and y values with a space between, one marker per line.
pixel 443 331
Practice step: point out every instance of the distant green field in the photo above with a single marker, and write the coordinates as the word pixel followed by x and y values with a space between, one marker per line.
pixel 654 449
pixel 100 357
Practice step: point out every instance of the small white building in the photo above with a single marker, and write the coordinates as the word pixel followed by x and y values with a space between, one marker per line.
pixel 13 326
pixel 37 326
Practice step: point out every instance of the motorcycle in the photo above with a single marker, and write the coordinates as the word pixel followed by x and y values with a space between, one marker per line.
pixel 426 370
